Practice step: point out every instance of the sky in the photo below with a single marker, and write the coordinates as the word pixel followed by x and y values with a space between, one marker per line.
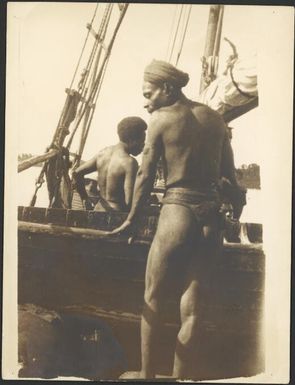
pixel 48 42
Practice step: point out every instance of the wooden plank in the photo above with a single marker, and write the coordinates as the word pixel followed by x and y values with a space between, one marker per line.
pixel 234 258
pixel 20 210
pixel 33 214
pixel 55 216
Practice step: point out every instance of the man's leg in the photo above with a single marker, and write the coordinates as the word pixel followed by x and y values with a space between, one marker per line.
pixel 175 228
pixel 204 254
pixel 189 315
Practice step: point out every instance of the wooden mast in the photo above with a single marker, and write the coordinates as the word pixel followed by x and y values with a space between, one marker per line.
pixel 212 45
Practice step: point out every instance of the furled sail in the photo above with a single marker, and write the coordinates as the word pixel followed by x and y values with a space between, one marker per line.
pixel 235 90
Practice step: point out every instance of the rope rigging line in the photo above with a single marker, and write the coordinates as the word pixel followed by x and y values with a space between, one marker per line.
pixel 96 44
pixel 171 31
pixel 79 154
pixel 102 32
pixel 84 45
pixel 176 32
pixel 102 35
pixel 109 48
pixel 39 181
pixel 105 60
pixel 231 61
pixel 184 34
pixel 87 125
pixel 55 149
pixel 87 90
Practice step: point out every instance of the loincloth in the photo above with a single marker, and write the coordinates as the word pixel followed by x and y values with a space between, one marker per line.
pixel 204 204
pixel 103 205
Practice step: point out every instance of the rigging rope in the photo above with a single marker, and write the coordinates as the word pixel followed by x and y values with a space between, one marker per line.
pixel 231 61
pixel 182 25
pixel 176 33
pixel 104 62
pixel 184 34
pixel 96 43
pixel 84 45
pixel 109 49
pixel 101 34
pixel 171 31
pixel 39 181
pixel 89 108
pixel 59 135
pixel 79 154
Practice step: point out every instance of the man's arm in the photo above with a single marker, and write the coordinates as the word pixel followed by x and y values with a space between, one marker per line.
pixel 227 161
pixel 146 173
pixel 237 194
pixel 130 175
pixel 78 176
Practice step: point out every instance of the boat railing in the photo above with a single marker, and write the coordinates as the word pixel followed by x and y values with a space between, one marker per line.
pixel 94 225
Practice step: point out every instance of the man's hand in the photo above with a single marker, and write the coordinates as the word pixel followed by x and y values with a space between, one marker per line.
pixel 74 181
pixel 125 226
pixel 87 204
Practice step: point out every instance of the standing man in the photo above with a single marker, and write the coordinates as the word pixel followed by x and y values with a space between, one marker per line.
pixel 116 168
pixel 193 142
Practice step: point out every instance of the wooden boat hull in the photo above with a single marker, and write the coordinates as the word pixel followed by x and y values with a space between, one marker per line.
pixel 64 267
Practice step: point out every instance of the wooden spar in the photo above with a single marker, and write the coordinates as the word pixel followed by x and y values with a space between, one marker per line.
pixel 212 28
pixel 36 159
pixel 236 112
pixel 74 232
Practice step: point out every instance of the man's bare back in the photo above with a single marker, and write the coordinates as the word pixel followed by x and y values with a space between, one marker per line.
pixel 193 149
pixel 116 168
pixel 117 171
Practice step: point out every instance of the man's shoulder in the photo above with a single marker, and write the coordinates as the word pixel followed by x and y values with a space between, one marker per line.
pixel 207 115
pixel 105 152
pixel 128 162
pixel 105 156
pixel 164 116
pixel 204 109
pixel 158 120
pixel 107 149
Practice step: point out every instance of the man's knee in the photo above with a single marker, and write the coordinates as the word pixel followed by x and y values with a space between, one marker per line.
pixel 153 294
pixel 189 301
pixel 150 297
pixel 189 330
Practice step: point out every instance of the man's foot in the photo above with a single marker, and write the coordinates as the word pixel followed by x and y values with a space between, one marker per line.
pixel 130 375
pixel 140 376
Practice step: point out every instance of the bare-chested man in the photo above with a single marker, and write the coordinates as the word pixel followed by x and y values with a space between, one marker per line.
pixel 193 142
pixel 116 168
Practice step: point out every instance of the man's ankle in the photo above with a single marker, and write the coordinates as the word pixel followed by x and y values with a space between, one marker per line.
pixel 147 374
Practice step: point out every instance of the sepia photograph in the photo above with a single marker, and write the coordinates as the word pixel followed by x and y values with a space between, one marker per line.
pixel 148 189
